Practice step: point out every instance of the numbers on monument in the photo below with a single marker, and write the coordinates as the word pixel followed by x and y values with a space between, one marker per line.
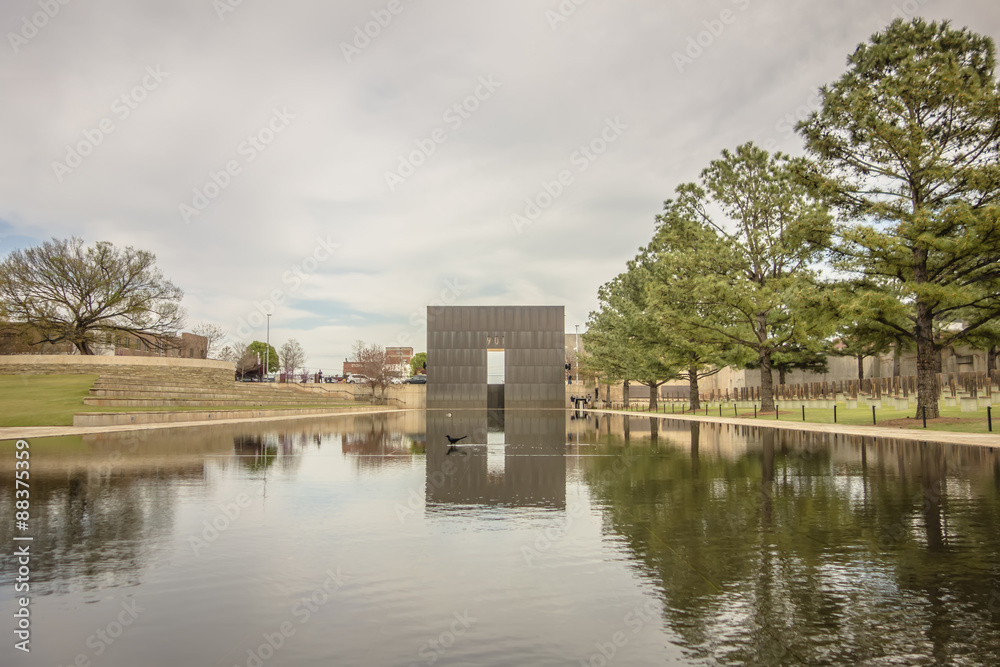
pixel 494 340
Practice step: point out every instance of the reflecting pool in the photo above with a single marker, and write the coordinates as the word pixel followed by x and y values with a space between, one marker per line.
pixel 540 538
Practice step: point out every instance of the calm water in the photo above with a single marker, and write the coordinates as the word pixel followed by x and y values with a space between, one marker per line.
pixel 542 540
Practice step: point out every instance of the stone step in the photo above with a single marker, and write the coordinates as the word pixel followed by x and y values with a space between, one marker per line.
pixel 191 402
pixel 231 388
pixel 115 383
pixel 214 395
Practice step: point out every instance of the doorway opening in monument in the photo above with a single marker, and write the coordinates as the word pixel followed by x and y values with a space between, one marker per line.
pixel 494 366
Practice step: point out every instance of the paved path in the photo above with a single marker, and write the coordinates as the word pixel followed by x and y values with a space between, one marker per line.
pixel 915 435
pixel 28 432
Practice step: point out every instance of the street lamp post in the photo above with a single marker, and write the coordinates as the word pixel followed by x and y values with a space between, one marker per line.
pixel 267 347
pixel 577 355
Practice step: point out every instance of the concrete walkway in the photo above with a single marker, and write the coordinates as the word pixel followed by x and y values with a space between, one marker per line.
pixel 886 433
pixel 914 435
pixel 29 432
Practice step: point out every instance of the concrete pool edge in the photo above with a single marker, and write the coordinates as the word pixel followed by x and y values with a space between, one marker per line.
pixel 10 433
pixel 945 437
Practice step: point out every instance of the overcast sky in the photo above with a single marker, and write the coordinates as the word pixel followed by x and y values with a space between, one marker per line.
pixel 270 151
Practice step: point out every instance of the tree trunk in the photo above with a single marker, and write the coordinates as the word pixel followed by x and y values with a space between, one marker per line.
pixel 897 355
pixel 695 437
pixel 861 367
pixel 767 477
pixel 654 389
pixel 625 398
pixel 927 362
pixel 766 382
pixel 781 376
pixel 693 388
pixel 991 358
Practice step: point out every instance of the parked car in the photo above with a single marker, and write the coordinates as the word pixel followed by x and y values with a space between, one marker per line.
pixel 357 379
pixel 417 379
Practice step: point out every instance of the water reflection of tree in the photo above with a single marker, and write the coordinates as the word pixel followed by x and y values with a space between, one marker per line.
pixel 781 556
pixel 375 443
pixel 256 451
pixel 94 528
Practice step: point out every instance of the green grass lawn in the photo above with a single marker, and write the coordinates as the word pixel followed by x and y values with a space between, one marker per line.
pixel 52 400
pixel 42 400
pixel 952 418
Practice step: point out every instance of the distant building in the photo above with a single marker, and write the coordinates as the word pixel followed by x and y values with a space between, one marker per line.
pixel 399 356
pixel 396 357
pixel 20 339
pixel 187 346
pixel 352 368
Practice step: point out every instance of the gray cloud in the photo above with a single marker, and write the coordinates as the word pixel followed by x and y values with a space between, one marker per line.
pixel 446 231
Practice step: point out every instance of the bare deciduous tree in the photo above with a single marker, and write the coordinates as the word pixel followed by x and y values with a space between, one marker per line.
pixel 375 365
pixel 292 356
pixel 64 291
pixel 216 336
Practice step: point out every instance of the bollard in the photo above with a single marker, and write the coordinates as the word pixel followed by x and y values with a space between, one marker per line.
pixel 989 418
pixel 755 411
pixel 735 413
pixel 925 416
pixel 834 413
pixel 803 413
pixel 776 411
pixel 873 416
pixel 720 409
pixel 706 409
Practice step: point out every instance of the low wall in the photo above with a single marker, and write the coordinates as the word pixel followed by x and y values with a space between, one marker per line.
pixel 399 395
pixel 201 371
pixel 123 418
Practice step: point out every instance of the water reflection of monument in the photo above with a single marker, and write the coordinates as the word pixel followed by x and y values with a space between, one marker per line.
pixel 514 458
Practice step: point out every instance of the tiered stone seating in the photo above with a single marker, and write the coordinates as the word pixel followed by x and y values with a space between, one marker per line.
pixel 141 390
